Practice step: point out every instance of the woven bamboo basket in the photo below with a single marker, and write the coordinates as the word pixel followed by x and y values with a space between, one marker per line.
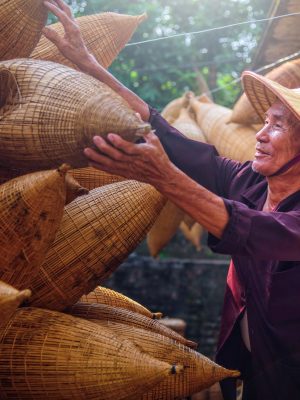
pixel 199 371
pixel 21 24
pixel 98 231
pixel 10 299
pixel 104 34
pixel 109 297
pixel 48 355
pixel 194 235
pixel 172 110
pixel 187 125
pixel 164 228
pixel 188 221
pixel 231 140
pixel 288 74
pixel 31 210
pixel 57 113
pixel 91 178
pixel 104 312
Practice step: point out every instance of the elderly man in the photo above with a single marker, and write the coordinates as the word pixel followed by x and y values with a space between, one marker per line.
pixel 251 211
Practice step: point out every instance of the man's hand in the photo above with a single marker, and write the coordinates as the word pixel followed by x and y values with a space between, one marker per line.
pixel 146 162
pixel 71 45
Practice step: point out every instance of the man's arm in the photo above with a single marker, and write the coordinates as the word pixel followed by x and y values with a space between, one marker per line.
pixel 72 46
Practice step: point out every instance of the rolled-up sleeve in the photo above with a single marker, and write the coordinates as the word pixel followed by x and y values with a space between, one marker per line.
pixel 261 235
pixel 200 161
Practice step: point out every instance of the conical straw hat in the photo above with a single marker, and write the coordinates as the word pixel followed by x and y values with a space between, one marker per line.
pixel 98 231
pixel 58 112
pixel 10 299
pixel 263 92
pixel 102 295
pixel 48 355
pixel 21 24
pixel 231 140
pixel 104 34
pixel 199 371
pixel 117 314
pixel 91 178
pixel 288 74
pixel 31 210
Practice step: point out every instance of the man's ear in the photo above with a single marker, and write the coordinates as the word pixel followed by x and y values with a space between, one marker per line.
pixel 9 91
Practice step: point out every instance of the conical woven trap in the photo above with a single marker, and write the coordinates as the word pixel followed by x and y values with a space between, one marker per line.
pixel 233 141
pixel 98 231
pixel 48 355
pixel 10 299
pixel 109 297
pixel 116 314
pixel 91 178
pixel 199 371
pixel 58 113
pixel 164 228
pixel 104 34
pixel 193 235
pixel 172 110
pixel 31 210
pixel 21 24
pixel 287 74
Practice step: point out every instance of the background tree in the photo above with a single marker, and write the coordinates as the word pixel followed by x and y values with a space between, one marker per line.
pixel 162 70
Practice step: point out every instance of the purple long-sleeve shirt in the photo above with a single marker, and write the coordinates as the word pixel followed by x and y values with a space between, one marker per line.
pixel 264 276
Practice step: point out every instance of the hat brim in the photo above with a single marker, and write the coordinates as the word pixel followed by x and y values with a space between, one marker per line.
pixel 263 92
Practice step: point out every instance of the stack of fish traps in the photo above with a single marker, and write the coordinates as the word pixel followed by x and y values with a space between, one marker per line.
pixel 232 132
pixel 65 227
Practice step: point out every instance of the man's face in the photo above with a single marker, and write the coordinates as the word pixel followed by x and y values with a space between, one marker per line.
pixel 278 141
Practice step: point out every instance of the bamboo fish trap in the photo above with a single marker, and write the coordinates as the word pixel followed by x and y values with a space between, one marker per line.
pixel 199 371
pixel 104 312
pixel 109 297
pixel 10 299
pixel 97 232
pixel 231 140
pixel 21 24
pixel 164 228
pixel 31 210
pixel 288 74
pixel 91 178
pixel 48 355
pixel 193 235
pixel 56 114
pixel 104 34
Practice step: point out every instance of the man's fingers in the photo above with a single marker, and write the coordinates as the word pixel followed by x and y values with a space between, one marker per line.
pixel 52 35
pixel 123 145
pixel 109 150
pixel 67 22
pixel 63 6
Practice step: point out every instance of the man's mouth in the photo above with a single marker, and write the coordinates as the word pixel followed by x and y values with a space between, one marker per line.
pixel 260 153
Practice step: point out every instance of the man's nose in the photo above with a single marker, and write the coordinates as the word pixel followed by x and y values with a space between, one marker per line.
pixel 262 135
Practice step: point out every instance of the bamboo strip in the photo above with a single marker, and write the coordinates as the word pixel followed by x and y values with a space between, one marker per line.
pixel 92 178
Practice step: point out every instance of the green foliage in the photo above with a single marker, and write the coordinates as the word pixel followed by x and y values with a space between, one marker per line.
pixel 162 70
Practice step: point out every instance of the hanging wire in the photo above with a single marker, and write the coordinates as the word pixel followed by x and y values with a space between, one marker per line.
pixel 212 29
pixel 260 69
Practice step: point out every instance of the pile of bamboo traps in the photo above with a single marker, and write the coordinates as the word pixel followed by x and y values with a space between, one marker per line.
pixel 66 227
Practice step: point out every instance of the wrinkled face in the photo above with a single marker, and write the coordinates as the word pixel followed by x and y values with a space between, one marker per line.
pixel 278 141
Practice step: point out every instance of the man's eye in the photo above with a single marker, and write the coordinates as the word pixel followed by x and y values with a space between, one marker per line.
pixel 278 125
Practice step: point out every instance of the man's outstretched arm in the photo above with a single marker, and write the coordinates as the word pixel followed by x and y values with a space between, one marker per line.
pixel 72 46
